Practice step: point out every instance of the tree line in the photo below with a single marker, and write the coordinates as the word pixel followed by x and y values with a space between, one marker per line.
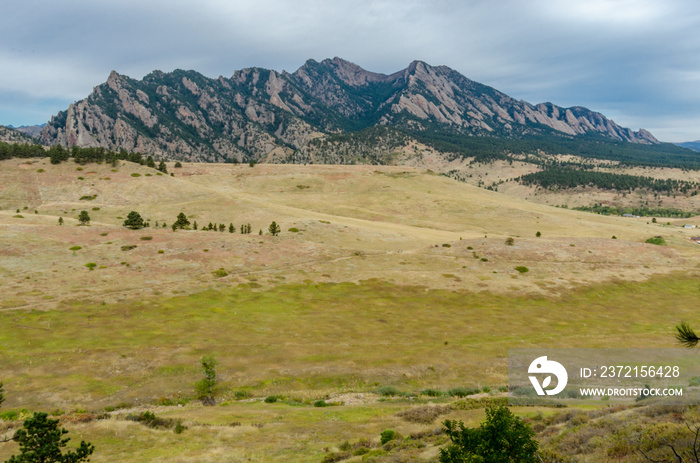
pixel 641 211
pixel 134 221
pixel 58 154
pixel 562 177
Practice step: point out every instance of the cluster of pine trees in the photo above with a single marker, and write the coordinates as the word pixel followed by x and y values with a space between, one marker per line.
pixel 135 222
pixel 562 177
pixel 642 211
pixel 58 154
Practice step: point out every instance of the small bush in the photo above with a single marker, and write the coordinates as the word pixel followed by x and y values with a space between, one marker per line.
pixel 294 230
pixel 432 392
pixel 150 420
pixel 425 414
pixel 463 391
pixel 160 251
pixel 75 248
pixel 321 403
pixel 220 273
pixel 510 241
pixel 522 269
pixel 658 240
pixel 128 247
pixel 88 198
pixel 273 398
pixel 388 391
pixel 135 174
pixel 91 265
pixel 387 435
pixel 446 245
pixel 146 238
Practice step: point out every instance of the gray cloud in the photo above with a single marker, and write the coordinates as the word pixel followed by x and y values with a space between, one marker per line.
pixel 632 60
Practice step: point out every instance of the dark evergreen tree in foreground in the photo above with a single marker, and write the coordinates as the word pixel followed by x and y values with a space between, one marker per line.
pixel 686 336
pixel 40 441
pixel 502 438
pixel 274 229
pixel 134 221
pixel 162 167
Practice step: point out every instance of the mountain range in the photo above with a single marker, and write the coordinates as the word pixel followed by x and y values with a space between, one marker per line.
pixel 262 114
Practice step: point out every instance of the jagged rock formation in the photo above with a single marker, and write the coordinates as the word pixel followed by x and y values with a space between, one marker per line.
pixel 12 135
pixel 263 114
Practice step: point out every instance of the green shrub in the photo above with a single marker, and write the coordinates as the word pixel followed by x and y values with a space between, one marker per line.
pixel 128 247
pixel 446 245
pixel 387 435
pixel 135 174
pixel 432 392
pixel 272 399
pixel 91 265
pixel 9 415
pixel 463 391
pixel 321 403
pixel 75 248
pixel 522 269
pixel 658 240
pixel 146 238
pixel 220 273
pixel 294 230
pixel 510 241
pixel 387 391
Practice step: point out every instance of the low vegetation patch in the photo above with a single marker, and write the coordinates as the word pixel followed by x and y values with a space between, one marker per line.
pixel 658 240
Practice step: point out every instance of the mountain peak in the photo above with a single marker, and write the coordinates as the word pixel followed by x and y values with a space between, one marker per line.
pixel 257 111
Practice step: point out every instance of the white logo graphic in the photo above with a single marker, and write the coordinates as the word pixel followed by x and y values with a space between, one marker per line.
pixel 542 365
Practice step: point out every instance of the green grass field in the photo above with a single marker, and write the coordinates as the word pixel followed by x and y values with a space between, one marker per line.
pixel 394 278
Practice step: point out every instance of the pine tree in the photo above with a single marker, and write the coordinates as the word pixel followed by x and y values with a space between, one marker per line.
pixel 134 221
pixel 40 440
pixel 274 229
pixel 162 167
pixel 205 387
pixel 231 228
pixel 60 220
pixel 84 218
pixel 222 227
pixel 150 162
pixel 182 221
pixel 210 226
pixel 194 225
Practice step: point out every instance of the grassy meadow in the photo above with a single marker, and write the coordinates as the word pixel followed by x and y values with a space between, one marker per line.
pixel 384 283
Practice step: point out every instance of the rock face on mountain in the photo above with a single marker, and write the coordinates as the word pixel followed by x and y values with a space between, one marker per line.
pixel 263 114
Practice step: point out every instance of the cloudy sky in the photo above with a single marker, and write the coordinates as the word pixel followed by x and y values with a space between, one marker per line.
pixel 635 61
